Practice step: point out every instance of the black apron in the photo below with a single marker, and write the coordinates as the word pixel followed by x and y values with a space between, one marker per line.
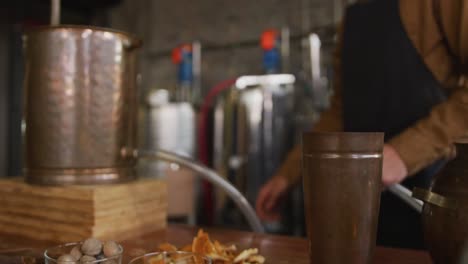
pixel 387 88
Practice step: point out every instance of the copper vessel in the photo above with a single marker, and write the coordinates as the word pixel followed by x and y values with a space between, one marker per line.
pixel 445 211
pixel 81 102
pixel 342 174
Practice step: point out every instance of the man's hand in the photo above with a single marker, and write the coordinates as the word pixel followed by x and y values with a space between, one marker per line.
pixel 269 198
pixel 273 192
pixel 394 169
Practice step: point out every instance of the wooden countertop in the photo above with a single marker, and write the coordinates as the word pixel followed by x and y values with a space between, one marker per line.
pixel 276 249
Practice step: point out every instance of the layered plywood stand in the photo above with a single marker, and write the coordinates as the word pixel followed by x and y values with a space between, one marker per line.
pixel 72 213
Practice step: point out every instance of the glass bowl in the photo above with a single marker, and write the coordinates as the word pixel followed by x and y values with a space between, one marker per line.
pixel 174 257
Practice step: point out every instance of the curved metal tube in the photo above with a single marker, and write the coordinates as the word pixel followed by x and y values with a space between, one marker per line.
pixel 55 12
pixel 215 179
pixel 406 195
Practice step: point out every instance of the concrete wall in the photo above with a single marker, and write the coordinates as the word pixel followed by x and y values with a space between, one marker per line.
pixel 229 31
pixel 222 25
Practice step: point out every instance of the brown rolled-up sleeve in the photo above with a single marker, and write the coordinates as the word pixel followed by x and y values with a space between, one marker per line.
pixel 330 120
pixel 431 138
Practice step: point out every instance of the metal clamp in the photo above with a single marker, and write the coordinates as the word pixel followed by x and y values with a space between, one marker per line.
pixel 435 199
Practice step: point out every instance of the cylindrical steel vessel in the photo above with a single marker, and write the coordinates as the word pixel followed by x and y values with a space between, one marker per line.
pixel 444 214
pixel 254 130
pixel 81 105
pixel 342 174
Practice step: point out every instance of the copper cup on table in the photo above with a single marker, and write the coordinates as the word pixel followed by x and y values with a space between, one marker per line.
pixel 342 181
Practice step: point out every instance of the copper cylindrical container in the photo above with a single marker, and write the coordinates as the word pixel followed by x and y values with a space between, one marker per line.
pixel 342 181
pixel 445 211
pixel 81 105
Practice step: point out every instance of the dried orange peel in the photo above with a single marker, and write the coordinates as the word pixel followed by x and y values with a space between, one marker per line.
pixel 167 247
pixel 219 253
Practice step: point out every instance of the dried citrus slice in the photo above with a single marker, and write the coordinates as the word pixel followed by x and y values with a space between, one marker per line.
pixel 202 244
pixel 187 248
pixel 256 259
pixel 167 247
pixel 246 254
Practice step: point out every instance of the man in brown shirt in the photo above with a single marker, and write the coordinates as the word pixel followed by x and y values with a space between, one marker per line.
pixel 438 32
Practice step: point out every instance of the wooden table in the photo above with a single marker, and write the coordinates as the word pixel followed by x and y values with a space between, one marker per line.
pixel 276 249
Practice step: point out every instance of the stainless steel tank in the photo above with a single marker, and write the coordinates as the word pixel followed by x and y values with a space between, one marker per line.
pixel 169 126
pixel 81 104
pixel 170 122
pixel 254 130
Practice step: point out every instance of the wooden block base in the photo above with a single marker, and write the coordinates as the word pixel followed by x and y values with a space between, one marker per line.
pixel 73 213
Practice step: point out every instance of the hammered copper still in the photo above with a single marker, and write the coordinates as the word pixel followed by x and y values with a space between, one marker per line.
pixel 342 173
pixel 81 102
pixel 445 211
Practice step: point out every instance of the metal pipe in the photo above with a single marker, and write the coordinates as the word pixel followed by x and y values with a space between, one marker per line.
pixel 55 12
pixel 215 179
pixel 406 195
pixel 285 48
pixel 196 66
pixel 247 43
pixel 314 49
